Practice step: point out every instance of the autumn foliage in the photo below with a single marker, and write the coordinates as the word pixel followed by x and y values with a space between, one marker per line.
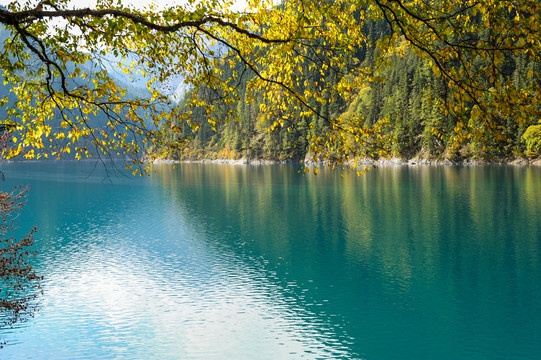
pixel 19 284
pixel 300 57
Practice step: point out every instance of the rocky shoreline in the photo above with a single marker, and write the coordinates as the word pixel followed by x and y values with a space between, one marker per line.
pixel 363 162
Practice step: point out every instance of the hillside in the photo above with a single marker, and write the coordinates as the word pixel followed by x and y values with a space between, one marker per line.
pixel 406 105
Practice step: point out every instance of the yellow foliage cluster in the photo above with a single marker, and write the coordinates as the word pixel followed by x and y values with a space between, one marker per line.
pixel 56 59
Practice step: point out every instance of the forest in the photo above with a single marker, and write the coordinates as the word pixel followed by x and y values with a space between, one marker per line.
pixel 438 80
pixel 406 105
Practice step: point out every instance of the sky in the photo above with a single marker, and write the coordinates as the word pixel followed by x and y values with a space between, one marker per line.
pixel 135 3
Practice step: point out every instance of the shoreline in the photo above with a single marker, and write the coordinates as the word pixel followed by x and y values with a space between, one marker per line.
pixel 363 162
pixel 395 161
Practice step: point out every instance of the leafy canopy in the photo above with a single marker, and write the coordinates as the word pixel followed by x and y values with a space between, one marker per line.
pixel 58 62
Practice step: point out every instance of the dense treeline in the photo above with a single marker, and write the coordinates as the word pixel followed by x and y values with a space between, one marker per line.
pixel 442 79
pixel 406 102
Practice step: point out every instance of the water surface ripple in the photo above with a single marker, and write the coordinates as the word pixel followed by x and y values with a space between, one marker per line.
pixel 227 262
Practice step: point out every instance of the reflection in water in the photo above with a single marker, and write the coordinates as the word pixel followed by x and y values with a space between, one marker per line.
pixel 439 259
pixel 211 261
pixel 129 275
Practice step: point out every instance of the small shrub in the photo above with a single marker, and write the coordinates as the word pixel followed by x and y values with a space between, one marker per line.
pixel 532 139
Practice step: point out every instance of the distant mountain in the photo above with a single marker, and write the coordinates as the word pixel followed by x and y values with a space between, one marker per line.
pixel 174 87
pixel 136 87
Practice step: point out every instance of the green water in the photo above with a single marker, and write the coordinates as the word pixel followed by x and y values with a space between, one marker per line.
pixel 259 262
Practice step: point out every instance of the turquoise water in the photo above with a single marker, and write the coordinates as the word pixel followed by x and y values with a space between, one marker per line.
pixel 259 262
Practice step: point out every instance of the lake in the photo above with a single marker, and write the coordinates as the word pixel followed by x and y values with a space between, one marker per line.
pixel 260 262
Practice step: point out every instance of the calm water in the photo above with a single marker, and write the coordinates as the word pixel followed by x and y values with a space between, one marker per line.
pixel 230 262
